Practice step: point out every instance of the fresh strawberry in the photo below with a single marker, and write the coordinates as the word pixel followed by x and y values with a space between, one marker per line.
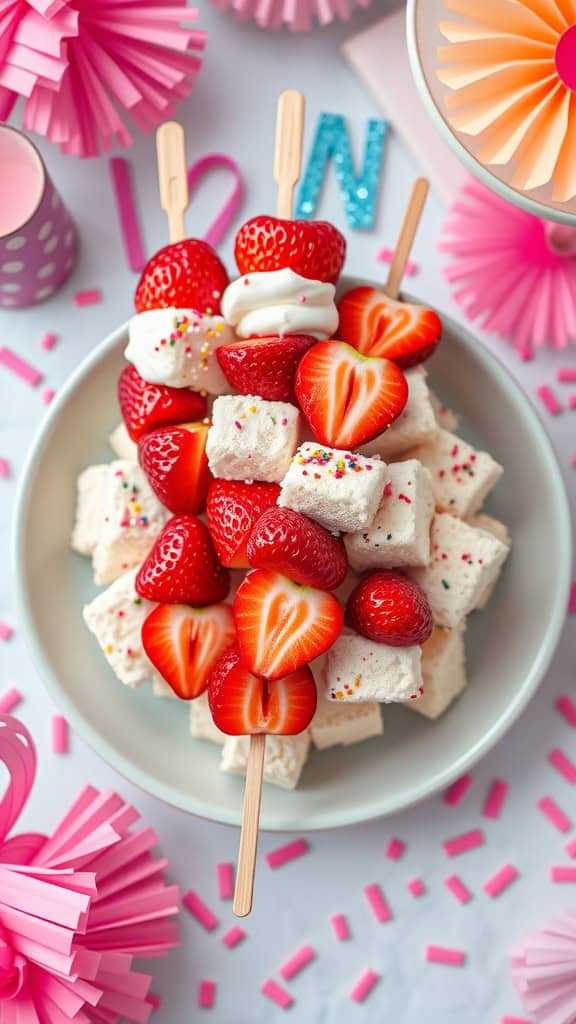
pixel 264 366
pixel 391 609
pixel 233 508
pixel 184 643
pixel 187 275
pixel 281 625
pixel 299 548
pixel 242 704
pixel 346 397
pixel 174 460
pixel 311 248
pixel 378 326
pixel 182 567
pixel 145 406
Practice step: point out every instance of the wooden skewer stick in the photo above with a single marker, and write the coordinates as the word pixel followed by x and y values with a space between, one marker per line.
pixel 172 177
pixel 287 168
pixel 406 237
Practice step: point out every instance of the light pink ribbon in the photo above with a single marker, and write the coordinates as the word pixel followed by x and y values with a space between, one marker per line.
pixel 18 754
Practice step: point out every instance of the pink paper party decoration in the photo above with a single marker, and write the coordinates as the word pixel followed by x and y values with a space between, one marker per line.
pixel 544 971
pixel 76 907
pixel 513 272
pixel 297 15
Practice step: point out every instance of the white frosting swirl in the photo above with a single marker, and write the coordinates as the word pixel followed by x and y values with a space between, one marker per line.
pixel 280 302
pixel 177 347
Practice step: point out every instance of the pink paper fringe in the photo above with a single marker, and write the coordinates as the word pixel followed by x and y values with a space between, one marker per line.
pixel 298 15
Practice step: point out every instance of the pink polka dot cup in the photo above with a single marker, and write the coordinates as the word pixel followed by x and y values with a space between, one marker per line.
pixel 38 238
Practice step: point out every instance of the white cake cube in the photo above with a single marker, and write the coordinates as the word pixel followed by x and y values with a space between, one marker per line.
pixel 339 489
pixel 162 689
pixel 284 758
pixel 90 496
pixel 498 530
pixel 202 725
pixel 252 439
pixel 341 724
pixel 416 423
pixel 400 531
pixel 178 347
pixel 358 669
pixel 115 618
pixel 122 444
pixel 464 562
pixel 445 417
pixel 443 672
pixel 462 477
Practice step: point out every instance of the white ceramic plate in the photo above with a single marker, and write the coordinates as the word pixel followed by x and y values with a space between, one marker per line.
pixel 509 645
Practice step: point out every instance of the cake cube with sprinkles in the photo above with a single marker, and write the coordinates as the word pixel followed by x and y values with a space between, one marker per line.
pixel 462 476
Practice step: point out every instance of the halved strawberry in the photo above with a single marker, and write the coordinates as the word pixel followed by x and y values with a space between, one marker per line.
pixel 264 366
pixel 182 567
pixel 241 704
pixel 348 398
pixel 174 460
pixel 281 625
pixel 187 275
pixel 378 326
pixel 312 248
pixel 145 406
pixel 299 548
pixel 184 643
pixel 233 508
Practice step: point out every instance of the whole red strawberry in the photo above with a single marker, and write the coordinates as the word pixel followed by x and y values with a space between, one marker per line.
pixel 233 508
pixel 174 460
pixel 391 609
pixel 264 366
pixel 299 548
pixel 182 567
pixel 187 275
pixel 146 406
pixel 311 248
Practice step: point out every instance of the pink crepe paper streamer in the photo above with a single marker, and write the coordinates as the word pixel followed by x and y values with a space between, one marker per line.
pixel 6 631
pixel 496 799
pixel 458 790
pixel 206 994
pixel 225 880
pixel 297 962
pixel 230 209
pixel 563 765
pixel 445 955
pixel 377 902
pixel 549 400
pixel 200 911
pixel 4 468
pixel 456 886
pixel 127 213
pixel 284 854
pixel 363 987
pixel 340 927
pixel 572 599
pixel 20 368
pixel 89 297
pixel 273 991
pixel 543 969
pixel 9 700
pixel 48 395
pixel 60 744
pixel 387 255
pixel 154 1000
pixel 298 16
pixel 554 813
pixel 416 887
pixel 463 843
pixel 500 881
pixel 566 375
pixel 395 849
pixel 48 341
pixel 567 708
pixel 233 937
pixel 563 873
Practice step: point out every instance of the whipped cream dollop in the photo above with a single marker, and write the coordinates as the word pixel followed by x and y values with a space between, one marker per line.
pixel 178 347
pixel 280 302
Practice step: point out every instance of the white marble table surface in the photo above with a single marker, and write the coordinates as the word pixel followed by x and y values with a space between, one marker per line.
pixel 231 110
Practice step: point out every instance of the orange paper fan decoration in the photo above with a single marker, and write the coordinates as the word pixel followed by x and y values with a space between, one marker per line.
pixel 512 67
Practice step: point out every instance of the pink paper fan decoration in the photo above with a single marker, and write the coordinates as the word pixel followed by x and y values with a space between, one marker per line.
pixel 78 906
pixel 85 66
pixel 297 15
pixel 544 971
pixel 515 272
pixel 512 69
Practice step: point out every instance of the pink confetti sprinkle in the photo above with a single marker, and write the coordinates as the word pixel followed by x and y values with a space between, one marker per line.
pixel 4 468
pixel 572 402
pixel 272 990
pixel 6 631
pixel 206 994
pixel 567 708
pixel 225 880
pixel 297 962
pixel 48 340
pixel 458 790
pixel 463 843
pixel 563 765
pixel 572 599
pixel 154 1000
pixel 363 987
pixel 48 395
pixel 284 854
pixel 387 255
pixel 234 936
pixel 60 743
pixel 500 881
pixel 566 375
pixel 340 927
pixel 554 813
pixel 456 886
pixel 127 213
pixel 416 887
pixel 200 911
pixel 563 873
pixel 507 1019
pixel 20 368
pixel 378 904
pixel 573 461
pixel 496 799
pixel 395 849
pixel 445 955
pixel 89 297
pixel 9 700
pixel 571 848
pixel 549 400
